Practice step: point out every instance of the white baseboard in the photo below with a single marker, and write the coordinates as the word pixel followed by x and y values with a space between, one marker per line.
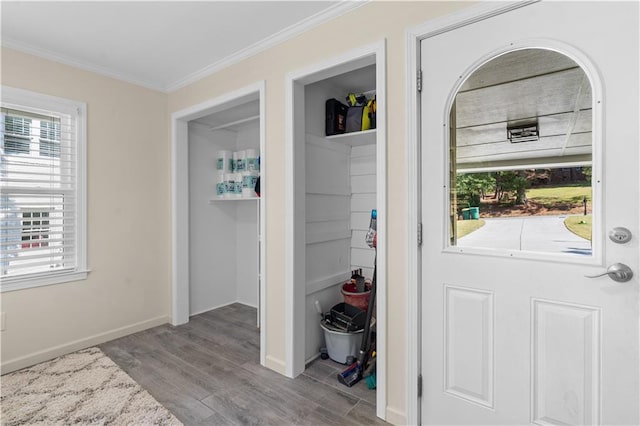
pixel 251 305
pixel 76 345
pixel 313 358
pixel 396 417
pixel 202 311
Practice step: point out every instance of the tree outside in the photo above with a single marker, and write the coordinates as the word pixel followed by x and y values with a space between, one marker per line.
pixel 526 192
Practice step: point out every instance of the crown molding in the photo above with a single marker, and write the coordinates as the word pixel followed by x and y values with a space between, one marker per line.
pixel 339 9
pixel 287 33
pixel 67 60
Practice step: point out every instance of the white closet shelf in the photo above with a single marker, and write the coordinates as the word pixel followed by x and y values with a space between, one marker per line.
pixel 235 123
pixel 215 200
pixel 365 137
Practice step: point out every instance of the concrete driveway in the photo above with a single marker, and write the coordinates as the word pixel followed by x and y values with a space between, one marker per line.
pixel 532 233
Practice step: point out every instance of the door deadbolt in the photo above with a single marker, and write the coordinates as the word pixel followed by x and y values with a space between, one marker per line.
pixel 620 235
pixel 618 272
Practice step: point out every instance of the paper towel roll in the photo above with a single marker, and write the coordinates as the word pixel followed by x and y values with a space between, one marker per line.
pixel 237 185
pixel 234 162
pixel 241 163
pixel 249 184
pixel 251 162
pixel 223 161
pixel 221 186
pixel 229 185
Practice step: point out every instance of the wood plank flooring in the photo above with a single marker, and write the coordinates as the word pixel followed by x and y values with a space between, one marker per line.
pixel 207 372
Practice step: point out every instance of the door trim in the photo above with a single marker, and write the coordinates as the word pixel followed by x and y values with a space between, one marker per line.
pixel 413 38
pixel 180 205
pixel 295 294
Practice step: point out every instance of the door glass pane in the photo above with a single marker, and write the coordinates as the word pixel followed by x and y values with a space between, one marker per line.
pixel 521 156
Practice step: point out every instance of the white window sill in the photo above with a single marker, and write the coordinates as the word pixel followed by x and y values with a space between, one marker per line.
pixel 21 283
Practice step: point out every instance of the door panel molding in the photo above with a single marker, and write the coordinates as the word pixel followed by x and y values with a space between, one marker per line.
pixel 468 349
pixel 565 344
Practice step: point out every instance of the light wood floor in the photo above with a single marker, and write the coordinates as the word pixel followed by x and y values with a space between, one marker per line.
pixel 207 372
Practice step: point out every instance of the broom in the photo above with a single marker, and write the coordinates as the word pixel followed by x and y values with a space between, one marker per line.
pixel 354 373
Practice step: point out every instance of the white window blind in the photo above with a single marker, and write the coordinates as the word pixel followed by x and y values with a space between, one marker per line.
pixel 42 212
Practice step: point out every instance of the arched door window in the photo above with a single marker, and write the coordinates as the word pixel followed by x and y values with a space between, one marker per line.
pixel 521 155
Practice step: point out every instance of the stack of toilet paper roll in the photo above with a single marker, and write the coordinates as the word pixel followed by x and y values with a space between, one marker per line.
pixel 237 173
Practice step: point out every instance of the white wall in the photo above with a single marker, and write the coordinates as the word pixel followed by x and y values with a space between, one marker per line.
pixel 246 279
pixel 212 239
pixel 363 200
pixel 247 249
pixel 248 135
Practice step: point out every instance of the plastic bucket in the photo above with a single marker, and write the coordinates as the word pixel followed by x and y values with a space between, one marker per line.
pixel 359 300
pixel 341 345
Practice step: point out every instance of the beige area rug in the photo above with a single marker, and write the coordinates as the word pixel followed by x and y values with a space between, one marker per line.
pixel 84 387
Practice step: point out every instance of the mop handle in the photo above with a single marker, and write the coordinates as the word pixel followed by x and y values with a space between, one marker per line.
pixel 366 339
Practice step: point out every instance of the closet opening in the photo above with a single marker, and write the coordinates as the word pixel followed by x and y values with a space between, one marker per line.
pixel 336 179
pixel 218 220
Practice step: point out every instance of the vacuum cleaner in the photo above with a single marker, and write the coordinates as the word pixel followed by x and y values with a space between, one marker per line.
pixel 355 372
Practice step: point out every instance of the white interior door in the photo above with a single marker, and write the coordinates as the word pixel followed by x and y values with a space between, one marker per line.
pixel 513 332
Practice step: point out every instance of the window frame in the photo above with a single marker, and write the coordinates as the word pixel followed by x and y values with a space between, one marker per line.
pixel 20 99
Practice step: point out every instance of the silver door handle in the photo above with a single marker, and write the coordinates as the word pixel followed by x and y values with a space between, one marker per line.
pixel 618 272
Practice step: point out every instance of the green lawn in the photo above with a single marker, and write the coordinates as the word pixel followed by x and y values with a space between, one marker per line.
pixel 559 195
pixel 579 225
pixel 465 227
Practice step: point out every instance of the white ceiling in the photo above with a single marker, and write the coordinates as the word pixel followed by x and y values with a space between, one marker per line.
pixel 158 44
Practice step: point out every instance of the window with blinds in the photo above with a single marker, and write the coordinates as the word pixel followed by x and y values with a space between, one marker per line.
pixel 42 183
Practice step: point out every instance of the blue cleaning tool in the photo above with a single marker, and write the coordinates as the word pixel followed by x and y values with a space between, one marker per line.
pixel 370 238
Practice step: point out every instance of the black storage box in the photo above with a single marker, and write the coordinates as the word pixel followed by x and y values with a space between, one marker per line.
pixel 336 117
pixel 354 119
pixel 347 317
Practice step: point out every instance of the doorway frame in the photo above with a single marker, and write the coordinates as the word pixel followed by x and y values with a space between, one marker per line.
pixel 414 37
pixel 180 284
pixel 294 232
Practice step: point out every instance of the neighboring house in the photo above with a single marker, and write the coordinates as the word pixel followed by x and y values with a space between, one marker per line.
pixel 30 145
